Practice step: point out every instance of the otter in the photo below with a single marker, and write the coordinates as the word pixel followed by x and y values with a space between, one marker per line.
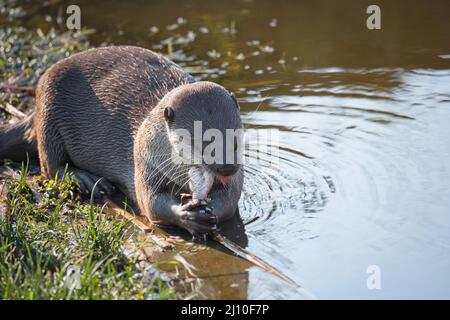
pixel 110 117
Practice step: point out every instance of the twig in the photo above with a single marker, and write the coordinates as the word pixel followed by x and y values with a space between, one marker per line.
pixel 22 104
pixel 3 202
pixel 115 209
pixel 30 90
pixel 12 110
pixel 247 255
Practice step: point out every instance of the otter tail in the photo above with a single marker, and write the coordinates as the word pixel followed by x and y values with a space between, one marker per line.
pixel 18 139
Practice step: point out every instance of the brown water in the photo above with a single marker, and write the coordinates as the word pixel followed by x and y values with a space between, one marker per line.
pixel 364 134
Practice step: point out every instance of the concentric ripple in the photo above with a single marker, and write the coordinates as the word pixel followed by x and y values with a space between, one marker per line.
pixel 280 182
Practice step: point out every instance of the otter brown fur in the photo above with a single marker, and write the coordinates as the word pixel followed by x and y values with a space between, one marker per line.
pixel 109 113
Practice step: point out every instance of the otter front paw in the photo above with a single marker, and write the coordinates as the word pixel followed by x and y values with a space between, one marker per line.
pixel 197 217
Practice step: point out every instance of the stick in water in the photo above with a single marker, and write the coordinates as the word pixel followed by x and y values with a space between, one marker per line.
pixel 200 183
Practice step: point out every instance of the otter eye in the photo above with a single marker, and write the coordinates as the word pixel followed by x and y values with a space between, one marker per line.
pixel 234 99
pixel 168 114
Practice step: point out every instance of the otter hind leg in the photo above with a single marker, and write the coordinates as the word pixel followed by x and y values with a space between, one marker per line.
pixel 89 183
pixel 53 159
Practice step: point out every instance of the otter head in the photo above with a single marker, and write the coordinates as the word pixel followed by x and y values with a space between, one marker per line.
pixel 204 128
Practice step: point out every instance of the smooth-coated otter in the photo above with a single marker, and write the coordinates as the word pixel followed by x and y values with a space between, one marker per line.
pixel 114 112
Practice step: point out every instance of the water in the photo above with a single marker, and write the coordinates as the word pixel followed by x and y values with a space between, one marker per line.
pixel 364 135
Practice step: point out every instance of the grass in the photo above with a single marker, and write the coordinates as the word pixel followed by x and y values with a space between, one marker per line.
pixel 52 246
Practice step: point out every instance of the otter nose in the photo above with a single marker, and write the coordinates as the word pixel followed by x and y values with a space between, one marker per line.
pixel 226 169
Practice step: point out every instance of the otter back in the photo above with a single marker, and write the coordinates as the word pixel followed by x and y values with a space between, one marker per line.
pixel 90 105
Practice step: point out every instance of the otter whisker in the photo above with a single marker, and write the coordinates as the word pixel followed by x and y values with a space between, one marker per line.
pixel 179 177
pixel 164 165
pixel 163 177
pixel 182 186
pixel 175 174
pixel 169 176
pixel 160 180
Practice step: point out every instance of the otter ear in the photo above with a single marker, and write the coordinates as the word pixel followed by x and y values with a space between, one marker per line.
pixel 168 114
pixel 234 99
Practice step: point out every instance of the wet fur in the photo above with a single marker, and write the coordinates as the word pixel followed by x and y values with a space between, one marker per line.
pixel 101 111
